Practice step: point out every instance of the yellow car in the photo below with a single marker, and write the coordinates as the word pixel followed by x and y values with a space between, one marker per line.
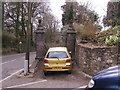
pixel 57 59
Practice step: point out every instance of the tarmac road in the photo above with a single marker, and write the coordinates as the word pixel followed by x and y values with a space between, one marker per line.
pixel 62 80
pixel 13 63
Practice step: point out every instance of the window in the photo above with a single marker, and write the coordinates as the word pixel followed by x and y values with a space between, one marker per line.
pixel 57 55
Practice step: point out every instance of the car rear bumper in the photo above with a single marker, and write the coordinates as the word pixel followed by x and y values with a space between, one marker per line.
pixel 55 68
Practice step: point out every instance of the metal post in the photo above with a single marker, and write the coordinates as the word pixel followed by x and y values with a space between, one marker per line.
pixel 26 63
pixel 25 67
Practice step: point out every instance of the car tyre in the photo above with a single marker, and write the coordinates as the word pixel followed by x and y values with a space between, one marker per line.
pixel 45 73
pixel 69 72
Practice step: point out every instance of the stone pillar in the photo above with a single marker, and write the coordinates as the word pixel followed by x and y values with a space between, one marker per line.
pixel 71 41
pixel 40 42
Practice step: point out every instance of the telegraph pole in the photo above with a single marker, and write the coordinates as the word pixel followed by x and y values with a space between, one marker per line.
pixel 26 63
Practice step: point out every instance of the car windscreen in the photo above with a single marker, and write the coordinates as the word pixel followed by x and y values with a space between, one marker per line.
pixel 57 55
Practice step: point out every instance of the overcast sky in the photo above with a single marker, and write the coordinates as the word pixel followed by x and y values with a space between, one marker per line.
pixel 100 6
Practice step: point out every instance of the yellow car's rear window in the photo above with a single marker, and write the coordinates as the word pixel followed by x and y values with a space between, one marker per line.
pixel 56 54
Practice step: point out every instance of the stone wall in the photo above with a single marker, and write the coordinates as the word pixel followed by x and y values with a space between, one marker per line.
pixel 92 59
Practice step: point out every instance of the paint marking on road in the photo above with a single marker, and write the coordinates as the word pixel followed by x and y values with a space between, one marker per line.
pixel 79 88
pixel 86 75
pixel 11 75
pixel 26 84
pixel 9 61
pixel 83 86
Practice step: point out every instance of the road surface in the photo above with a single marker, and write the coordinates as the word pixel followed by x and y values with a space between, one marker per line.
pixel 13 63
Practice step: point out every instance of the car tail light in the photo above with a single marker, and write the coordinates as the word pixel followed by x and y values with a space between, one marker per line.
pixel 68 61
pixel 45 61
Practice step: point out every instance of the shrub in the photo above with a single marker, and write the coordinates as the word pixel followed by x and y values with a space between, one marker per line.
pixel 110 36
pixel 10 44
pixel 112 40
pixel 86 32
pixel 8 39
pixel 52 36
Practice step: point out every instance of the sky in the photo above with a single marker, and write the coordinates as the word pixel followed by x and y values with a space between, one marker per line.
pixel 100 6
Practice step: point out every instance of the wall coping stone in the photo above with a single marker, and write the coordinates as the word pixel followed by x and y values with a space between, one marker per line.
pixel 91 46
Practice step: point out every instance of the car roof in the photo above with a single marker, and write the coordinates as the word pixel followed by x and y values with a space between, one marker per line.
pixel 57 49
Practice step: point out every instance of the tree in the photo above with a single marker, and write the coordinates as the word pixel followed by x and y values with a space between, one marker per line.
pixel 15 18
pixel 113 14
pixel 69 14
pixel 2 15
pixel 15 15
pixel 83 19
pixel 74 12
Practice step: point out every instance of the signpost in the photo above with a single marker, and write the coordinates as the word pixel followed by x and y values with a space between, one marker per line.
pixel 20 43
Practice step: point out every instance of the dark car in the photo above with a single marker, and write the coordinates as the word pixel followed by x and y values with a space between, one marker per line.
pixel 108 79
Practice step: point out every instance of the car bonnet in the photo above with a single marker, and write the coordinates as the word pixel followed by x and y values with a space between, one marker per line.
pixel 110 72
